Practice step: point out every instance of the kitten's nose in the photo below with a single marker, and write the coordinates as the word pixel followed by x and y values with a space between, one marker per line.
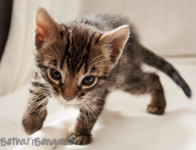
pixel 69 91
pixel 68 98
pixel 69 94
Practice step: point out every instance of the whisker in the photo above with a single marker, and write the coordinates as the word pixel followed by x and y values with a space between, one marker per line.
pixel 92 107
pixel 39 96
pixel 85 115
pixel 102 65
pixel 42 94
pixel 112 82
pixel 54 92
pixel 54 52
pixel 58 52
pixel 95 58
pixel 90 110
pixel 39 103
pixel 99 62
pixel 41 111
pixel 49 56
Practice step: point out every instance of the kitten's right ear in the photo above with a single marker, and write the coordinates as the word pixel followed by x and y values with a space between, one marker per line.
pixel 113 42
pixel 46 28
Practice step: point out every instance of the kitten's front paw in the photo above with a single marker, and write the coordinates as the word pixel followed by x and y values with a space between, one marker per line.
pixel 155 110
pixel 80 138
pixel 31 123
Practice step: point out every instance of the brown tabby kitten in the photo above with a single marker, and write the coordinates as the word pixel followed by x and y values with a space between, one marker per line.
pixel 82 61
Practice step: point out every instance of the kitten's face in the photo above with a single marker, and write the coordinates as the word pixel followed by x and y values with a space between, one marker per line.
pixel 76 58
pixel 75 64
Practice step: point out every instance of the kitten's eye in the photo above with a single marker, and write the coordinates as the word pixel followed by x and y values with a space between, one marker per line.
pixel 88 80
pixel 55 74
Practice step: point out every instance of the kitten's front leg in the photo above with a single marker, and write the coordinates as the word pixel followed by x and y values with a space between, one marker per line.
pixel 36 112
pixel 80 133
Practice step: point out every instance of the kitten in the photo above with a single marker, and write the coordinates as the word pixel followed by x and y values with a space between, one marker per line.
pixel 81 62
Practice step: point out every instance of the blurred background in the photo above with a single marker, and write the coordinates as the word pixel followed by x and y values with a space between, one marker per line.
pixel 166 27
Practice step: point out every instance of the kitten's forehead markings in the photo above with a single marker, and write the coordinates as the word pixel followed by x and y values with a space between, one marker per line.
pixel 64 71
pixel 68 44
pixel 77 48
pixel 55 52
pixel 68 48
pixel 93 69
pixel 91 40
pixel 81 75
pixel 54 62
pixel 80 43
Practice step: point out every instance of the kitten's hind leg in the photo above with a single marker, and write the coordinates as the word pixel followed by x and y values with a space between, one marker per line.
pixel 148 83
pixel 35 112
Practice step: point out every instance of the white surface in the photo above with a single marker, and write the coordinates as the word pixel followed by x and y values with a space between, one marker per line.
pixel 124 123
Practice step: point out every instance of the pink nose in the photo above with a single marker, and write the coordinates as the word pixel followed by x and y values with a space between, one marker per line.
pixel 68 98
pixel 69 93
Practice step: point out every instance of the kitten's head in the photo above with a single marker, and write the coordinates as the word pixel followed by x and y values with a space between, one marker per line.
pixel 76 58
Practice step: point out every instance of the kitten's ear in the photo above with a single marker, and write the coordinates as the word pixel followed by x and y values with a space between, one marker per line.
pixel 114 41
pixel 46 28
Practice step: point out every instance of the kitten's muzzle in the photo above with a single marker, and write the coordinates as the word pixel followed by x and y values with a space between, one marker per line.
pixel 69 93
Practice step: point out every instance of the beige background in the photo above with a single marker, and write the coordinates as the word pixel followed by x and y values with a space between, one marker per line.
pixel 168 27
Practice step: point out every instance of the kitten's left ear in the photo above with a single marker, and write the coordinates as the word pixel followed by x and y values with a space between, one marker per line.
pixel 114 41
pixel 46 29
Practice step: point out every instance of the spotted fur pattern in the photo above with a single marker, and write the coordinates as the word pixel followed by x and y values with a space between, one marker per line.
pixel 76 51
